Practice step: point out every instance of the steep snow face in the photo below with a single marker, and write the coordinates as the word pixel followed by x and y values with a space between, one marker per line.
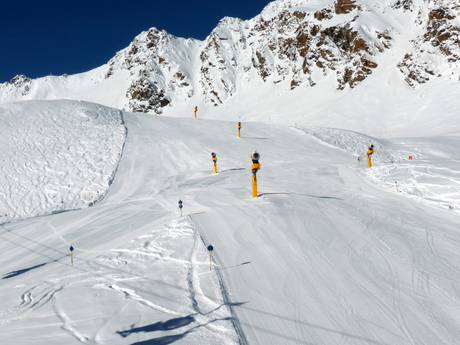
pixel 56 156
pixel 292 44
pixel 221 60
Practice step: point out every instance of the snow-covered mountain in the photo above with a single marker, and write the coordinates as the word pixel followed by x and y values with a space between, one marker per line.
pixel 292 44
pixel 331 252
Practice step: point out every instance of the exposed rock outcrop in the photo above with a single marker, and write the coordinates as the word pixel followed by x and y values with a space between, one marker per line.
pixel 436 52
pixel 292 44
pixel 345 6
pixel 156 70
pixel 21 83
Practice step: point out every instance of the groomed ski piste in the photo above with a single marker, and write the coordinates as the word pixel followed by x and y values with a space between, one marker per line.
pixel 330 253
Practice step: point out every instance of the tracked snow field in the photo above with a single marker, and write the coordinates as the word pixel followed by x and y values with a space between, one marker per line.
pixel 429 172
pixel 162 275
pixel 423 169
pixel 56 156
pixel 325 255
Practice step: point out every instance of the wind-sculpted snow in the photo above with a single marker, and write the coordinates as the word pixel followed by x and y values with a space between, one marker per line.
pixel 352 142
pixel 56 156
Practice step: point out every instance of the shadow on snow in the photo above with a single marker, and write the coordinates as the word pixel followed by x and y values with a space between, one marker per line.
pixel 22 271
pixel 172 324
pixel 160 326
pixel 300 194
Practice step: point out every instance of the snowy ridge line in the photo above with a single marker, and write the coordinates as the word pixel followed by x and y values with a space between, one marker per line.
pixel 91 204
pixel 242 339
pixel 114 173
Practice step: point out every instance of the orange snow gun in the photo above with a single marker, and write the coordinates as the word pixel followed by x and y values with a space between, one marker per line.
pixel 370 152
pixel 255 167
pixel 214 160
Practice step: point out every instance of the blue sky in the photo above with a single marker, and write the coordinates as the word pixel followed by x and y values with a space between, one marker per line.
pixel 39 38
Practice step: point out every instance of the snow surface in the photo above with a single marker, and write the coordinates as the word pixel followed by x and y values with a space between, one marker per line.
pixel 385 109
pixel 56 156
pixel 327 255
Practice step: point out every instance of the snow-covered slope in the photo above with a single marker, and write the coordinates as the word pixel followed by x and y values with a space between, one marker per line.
pixel 424 169
pixel 326 255
pixel 321 49
pixel 56 156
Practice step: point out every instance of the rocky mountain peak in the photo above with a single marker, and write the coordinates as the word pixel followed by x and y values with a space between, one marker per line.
pixel 155 61
pixel 292 44
pixel 19 83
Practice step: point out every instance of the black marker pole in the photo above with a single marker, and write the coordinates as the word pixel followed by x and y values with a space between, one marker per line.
pixel 180 207
pixel 71 254
pixel 210 250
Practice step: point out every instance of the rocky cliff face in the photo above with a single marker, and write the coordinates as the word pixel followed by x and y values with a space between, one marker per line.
pixel 436 50
pixel 20 84
pixel 287 43
pixel 291 44
pixel 156 62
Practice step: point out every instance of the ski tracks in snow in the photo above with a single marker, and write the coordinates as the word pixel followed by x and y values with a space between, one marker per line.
pixel 135 277
pixel 178 248
pixel 242 340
